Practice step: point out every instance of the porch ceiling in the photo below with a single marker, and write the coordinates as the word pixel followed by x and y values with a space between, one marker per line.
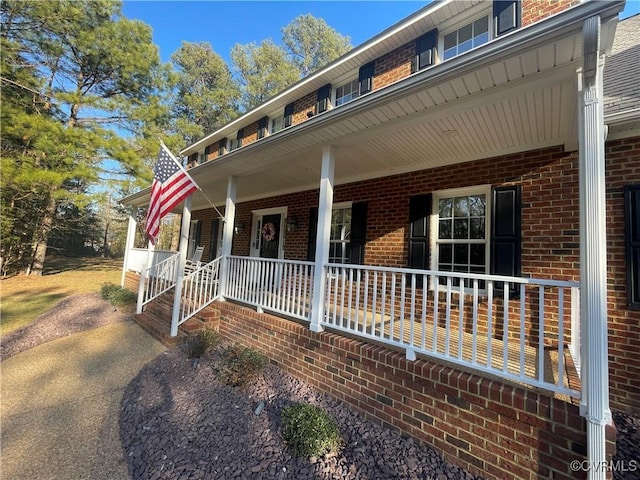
pixel 488 102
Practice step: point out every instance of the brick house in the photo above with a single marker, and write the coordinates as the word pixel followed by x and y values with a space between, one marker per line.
pixel 434 230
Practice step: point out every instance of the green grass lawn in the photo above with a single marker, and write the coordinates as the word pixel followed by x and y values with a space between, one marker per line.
pixel 26 297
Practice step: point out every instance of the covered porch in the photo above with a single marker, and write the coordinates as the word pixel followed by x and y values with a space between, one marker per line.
pixel 506 99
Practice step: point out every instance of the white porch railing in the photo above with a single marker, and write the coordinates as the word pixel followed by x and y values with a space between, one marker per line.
pixel 199 289
pixel 280 286
pixel 157 279
pixel 519 336
pixel 137 258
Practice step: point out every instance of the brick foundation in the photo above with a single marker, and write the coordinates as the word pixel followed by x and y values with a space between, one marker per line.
pixel 489 427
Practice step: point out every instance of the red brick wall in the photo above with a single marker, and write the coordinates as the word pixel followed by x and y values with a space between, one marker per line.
pixel 490 428
pixel 304 106
pixel 623 168
pixel 550 228
pixel 394 66
pixel 536 10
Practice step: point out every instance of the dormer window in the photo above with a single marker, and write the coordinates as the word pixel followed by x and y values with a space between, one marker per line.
pixel 465 38
pixel 237 143
pixel 222 147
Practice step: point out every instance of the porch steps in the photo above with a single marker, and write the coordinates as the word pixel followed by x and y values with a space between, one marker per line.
pixel 156 320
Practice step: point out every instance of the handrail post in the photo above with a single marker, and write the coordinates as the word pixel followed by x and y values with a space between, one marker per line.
pixel 184 242
pixel 144 271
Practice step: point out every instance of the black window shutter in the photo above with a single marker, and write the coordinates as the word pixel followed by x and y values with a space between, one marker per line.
pixel 358 232
pixel 506 16
pixel 506 233
pixel 240 136
pixel 365 77
pixel 632 244
pixel 419 214
pixel 324 94
pixel 426 47
pixel 198 235
pixel 222 146
pixel 213 239
pixel 207 150
pixel 262 127
pixel 288 115
pixel 311 239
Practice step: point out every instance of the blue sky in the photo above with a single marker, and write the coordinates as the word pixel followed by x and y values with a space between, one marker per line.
pixel 223 24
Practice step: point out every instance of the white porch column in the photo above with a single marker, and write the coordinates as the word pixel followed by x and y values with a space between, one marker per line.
pixel 143 276
pixel 593 250
pixel 131 236
pixel 227 233
pixel 323 235
pixel 184 242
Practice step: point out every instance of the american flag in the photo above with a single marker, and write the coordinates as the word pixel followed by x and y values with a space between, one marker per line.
pixel 171 185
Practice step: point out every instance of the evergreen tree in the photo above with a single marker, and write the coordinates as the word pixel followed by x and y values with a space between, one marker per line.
pixel 95 83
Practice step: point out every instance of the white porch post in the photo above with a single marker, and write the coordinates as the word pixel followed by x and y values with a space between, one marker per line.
pixel 593 249
pixel 227 233
pixel 143 276
pixel 184 242
pixel 131 236
pixel 323 235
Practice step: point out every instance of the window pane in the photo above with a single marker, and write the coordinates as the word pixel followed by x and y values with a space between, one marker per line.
pixel 465 46
pixel 444 229
pixel 450 53
pixel 480 39
pixel 477 204
pixel 444 207
pixel 450 40
pixel 461 207
pixel 465 33
pixel 477 228
pixel 461 254
pixel 481 26
pixel 478 255
pixel 461 228
pixel 445 253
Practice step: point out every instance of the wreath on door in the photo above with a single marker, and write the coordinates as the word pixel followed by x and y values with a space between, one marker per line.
pixel 268 232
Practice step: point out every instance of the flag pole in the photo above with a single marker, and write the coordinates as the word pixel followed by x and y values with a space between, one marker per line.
pixel 183 169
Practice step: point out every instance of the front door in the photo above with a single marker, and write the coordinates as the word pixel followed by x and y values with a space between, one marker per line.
pixel 270 236
pixel 266 233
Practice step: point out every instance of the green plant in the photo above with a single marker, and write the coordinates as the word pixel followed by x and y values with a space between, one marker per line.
pixel 309 430
pixel 118 296
pixel 203 342
pixel 238 364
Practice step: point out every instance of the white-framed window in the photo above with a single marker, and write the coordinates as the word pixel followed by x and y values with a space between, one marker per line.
pixel 466 37
pixel 340 240
pixel 277 124
pixel 347 92
pixel 461 226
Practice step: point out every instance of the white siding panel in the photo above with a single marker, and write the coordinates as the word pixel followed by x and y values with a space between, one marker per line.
pixel 547 57
pixel 499 73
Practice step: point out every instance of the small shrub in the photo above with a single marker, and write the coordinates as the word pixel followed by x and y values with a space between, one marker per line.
pixel 203 342
pixel 118 296
pixel 309 431
pixel 239 364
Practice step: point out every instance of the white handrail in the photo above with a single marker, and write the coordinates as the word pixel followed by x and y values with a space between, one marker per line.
pixel 199 288
pixel 157 279
pixel 280 286
pixel 508 326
